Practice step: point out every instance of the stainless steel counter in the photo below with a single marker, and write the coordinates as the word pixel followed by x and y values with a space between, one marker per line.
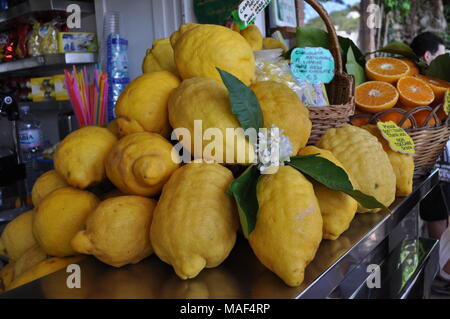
pixel 338 270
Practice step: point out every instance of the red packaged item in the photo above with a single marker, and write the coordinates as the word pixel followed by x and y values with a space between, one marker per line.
pixel 10 50
pixel 22 48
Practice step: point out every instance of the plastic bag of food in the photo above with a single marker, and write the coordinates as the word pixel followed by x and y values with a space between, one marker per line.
pixel 48 33
pixel 34 41
pixel 271 66
pixel 22 49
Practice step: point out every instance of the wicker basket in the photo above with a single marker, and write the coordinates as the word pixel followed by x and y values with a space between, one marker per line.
pixel 429 141
pixel 340 90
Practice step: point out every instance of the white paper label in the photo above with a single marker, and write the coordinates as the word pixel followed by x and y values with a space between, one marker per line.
pixel 249 9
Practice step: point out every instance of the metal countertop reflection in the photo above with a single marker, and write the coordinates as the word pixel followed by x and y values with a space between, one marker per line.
pixel 241 275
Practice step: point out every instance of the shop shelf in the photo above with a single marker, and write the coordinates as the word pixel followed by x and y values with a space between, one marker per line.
pixel 48 105
pixel 48 60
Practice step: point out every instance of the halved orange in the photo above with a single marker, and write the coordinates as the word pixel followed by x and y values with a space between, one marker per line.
pixel 413 68
pixel 438 86
pixel 414 92
pixel 375 96
pixel 386 69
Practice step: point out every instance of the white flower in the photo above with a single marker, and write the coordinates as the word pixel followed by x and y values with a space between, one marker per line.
pixel 273 149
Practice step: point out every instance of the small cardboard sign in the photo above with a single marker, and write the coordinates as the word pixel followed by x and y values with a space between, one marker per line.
pixel 314 65
pixel 399 140
pixel 247 12
pixel 447 103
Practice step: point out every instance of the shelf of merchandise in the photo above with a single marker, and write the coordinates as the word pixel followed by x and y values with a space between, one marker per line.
pixel 26 11
pixel 50 105
pixel 49 60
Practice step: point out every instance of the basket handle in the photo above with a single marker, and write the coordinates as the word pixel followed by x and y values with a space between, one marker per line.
pixel 335 49
pixel 406 116
pixel 429 117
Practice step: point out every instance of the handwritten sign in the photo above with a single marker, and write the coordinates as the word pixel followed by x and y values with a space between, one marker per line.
pixel 314 65
pixel 399 140
pixel 248 10
pixel 447 103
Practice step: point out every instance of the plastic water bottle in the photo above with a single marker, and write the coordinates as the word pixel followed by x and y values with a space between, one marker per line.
pixel 116 60
pixel 30 139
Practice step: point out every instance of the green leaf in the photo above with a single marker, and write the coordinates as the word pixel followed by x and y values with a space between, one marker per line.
pixel 333 177
pixel 312 37
pixel 346 44
pixel 440 68
pixel 366 201
pixel 400 48
pixel 359 56
pixel 323 171
pixel 243 189
pixel 244 104
pixel 354 68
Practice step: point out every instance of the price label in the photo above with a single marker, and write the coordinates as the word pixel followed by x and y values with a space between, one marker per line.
pixel 399 140
pixel 447 103
pixel 248 10
pixel 314 65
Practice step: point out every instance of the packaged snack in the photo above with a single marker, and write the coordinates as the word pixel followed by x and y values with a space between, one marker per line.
pixel 34 41
pixel 313 94
pixel 41 89
pixel 48 33
pixel 270 66
pixel 22 48
pixel 60 92
pixel 10 49
pixel 77 42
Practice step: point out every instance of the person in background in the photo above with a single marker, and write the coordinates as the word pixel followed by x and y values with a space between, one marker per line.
pixel 434 208
pixel 428 46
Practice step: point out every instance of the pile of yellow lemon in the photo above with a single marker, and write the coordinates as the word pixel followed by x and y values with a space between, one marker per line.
pixel 182 212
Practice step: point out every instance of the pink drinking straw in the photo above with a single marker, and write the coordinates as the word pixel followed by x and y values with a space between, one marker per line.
pixel 69 87
pixel 72 99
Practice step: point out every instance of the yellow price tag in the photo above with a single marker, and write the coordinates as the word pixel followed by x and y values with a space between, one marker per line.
pixel 447 103
pixel 399 140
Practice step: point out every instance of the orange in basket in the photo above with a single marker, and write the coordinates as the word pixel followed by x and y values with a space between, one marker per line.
pixel 422 116
pixel 414 92
pixel 386 69
pixel 438 86
pixel 413 68
pixel 375 96
pixel 395 117
pixel 360 121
